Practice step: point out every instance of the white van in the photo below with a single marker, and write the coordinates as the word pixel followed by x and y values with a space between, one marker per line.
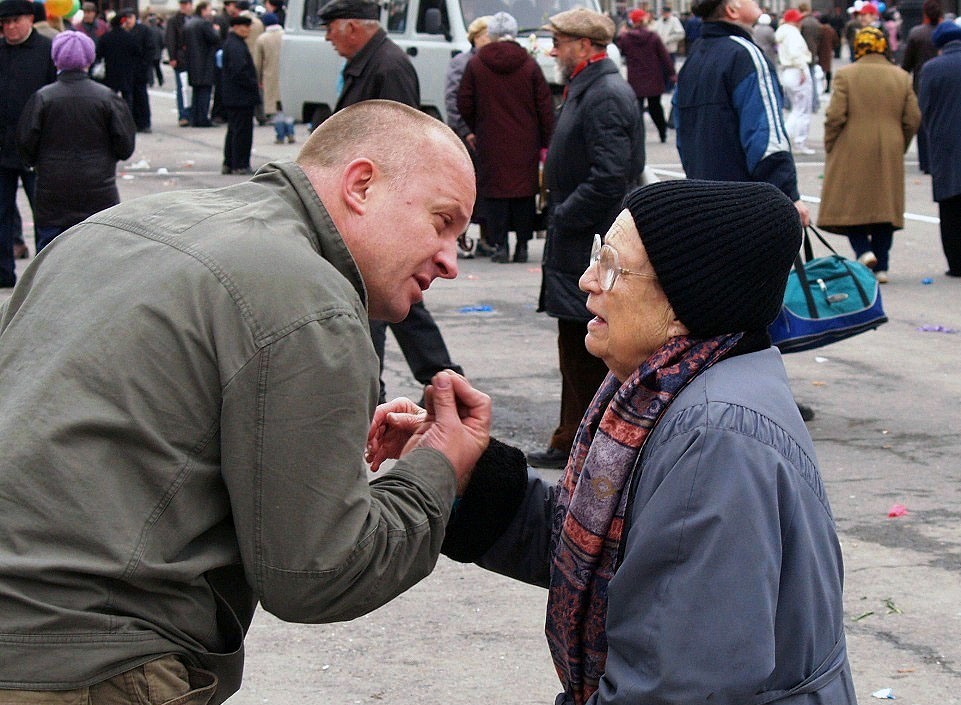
pixel 430 31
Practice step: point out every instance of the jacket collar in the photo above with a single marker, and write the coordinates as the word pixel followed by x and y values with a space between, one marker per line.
pixel 356 66
pixel 724 29
pixel 588 75
pixel 292 184
pixel 951 47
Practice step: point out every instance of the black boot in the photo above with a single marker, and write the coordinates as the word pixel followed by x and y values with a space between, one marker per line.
pixel 520 253
pixel 501 255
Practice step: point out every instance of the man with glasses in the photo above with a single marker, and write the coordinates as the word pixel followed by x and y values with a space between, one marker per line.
pixel 596 155
pixel 25 66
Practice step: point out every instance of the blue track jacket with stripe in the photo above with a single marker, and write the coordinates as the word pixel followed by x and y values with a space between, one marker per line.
pixel 727 111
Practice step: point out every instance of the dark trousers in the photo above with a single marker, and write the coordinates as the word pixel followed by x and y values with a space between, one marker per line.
pixel 421 343
pixel 240 137
pixel 141 106
pixel 923 151
pixel 10 223
pixel 876 237
pixel 581 375
pixel 950 212
pixel 200 106
pixel 217 110
pixel 656 111
pixel 506 214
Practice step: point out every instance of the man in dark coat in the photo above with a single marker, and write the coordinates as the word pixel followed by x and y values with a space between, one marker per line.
pixel 506 102
pixel 649 67
pixel 202 42
pixel 177 56
pixel 596 155
pixel 73 132
pixel 918 50
pixel 141 75
pixel 241 94
pixel 122 56
pixel 222 25
pixel 25 66
pixel 379 69
pixel 940 100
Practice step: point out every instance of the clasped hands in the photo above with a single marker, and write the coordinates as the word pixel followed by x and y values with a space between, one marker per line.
pixel 455 421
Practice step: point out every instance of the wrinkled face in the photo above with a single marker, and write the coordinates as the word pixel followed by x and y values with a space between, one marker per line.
pixel 568 52
pixel 412 229
pixel 634 318
pixel 17 29
pixel 342 34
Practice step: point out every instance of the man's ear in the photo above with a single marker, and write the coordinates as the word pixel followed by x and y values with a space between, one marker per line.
pixel 355 184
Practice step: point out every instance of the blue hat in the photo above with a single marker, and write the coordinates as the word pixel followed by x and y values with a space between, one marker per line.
pixel 269 18
pixel 946 32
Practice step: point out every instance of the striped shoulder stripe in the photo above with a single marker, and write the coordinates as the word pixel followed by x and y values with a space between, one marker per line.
pixel 778 140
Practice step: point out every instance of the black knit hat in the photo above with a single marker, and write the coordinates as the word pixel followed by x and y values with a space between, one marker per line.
pixel 722 250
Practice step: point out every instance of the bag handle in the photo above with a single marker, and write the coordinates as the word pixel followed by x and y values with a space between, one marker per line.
pixel 808 249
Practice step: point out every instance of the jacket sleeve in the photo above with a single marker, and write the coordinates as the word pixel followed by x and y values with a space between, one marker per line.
pixel 836 116
pixel 123 130
pixel 911 115
pixel 452 81
pixel 29 129
pixel 608 142
pixel 756 100
pixel 318 543
pixel 465 99
pixel 692 607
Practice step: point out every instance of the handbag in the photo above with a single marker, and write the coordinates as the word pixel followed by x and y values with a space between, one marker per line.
pixel 826 299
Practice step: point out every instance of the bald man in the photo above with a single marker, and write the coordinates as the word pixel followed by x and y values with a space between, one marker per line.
pixel 193 440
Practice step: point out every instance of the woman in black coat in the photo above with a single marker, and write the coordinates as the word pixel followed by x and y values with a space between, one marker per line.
pixel 73 132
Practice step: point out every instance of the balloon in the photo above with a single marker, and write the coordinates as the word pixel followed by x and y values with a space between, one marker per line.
pixel 882 7
pixel 58 8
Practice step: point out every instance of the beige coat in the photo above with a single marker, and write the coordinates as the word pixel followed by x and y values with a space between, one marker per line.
pixel 867 128
pixel 267 61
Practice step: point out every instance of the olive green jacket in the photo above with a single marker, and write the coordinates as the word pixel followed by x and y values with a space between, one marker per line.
pixel 186 384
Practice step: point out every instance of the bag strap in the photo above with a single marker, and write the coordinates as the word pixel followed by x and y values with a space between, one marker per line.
pixel 829 669
pixel 805 283
pixel 808 249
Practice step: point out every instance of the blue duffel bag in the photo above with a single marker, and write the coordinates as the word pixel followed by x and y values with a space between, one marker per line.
pixel 827 299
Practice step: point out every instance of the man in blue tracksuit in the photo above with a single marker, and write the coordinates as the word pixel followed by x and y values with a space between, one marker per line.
pixel 727 105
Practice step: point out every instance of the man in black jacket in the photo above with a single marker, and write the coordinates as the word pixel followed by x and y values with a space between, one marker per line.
pixel 177 56
pixel 202 41
pixel 596 156
pixel 241 95
pixel 122 56
pixel 379 69
pixel 25 66
pixel 74 131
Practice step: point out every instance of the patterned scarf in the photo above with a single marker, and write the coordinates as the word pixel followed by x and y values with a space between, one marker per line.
pixel 588 517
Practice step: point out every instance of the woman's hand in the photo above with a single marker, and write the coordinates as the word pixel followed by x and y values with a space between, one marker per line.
pixel 394 424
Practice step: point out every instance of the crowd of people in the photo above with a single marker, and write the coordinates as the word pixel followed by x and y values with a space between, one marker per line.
pixel 197 438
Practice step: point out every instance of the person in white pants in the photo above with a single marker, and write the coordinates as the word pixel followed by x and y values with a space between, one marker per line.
pixel 793 56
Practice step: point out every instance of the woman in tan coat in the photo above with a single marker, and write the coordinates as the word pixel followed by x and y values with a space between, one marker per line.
pixel 869 124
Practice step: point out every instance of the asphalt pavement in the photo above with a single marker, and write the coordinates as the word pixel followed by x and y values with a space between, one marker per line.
pixel 887 431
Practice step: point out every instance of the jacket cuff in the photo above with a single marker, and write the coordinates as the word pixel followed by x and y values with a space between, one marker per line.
pixel 496 490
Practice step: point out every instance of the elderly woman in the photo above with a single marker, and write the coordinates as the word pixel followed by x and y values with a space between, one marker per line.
pixel 689 550
pixel 868 126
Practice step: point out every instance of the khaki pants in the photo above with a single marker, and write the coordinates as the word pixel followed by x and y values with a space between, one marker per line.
pixel 163 681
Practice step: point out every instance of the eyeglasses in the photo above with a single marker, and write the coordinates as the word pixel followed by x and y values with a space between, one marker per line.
pixel 557 42
pixel 607 266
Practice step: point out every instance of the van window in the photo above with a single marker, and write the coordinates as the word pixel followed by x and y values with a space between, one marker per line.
pixel 311 21
pixel 397 16
pixel 426 5
pixel 531 15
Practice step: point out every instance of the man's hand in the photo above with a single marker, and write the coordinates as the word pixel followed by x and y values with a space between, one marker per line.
pixel 803 212
pixel 456 422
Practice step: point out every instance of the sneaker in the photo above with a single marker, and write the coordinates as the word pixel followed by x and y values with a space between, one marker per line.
pixel 290 139
pixel 245 171
pixel 20 251
pixel 482 249
pixel 550 458
pixel 882 277
pixel 225 170
pixel 869 260
pixel 183 122
pixel 279 141
pixel 804 150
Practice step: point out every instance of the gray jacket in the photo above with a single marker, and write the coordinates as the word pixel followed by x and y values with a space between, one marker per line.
pixel 729 590
pixel 187 383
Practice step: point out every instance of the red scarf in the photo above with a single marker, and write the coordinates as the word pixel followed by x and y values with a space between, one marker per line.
pixel 600 56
